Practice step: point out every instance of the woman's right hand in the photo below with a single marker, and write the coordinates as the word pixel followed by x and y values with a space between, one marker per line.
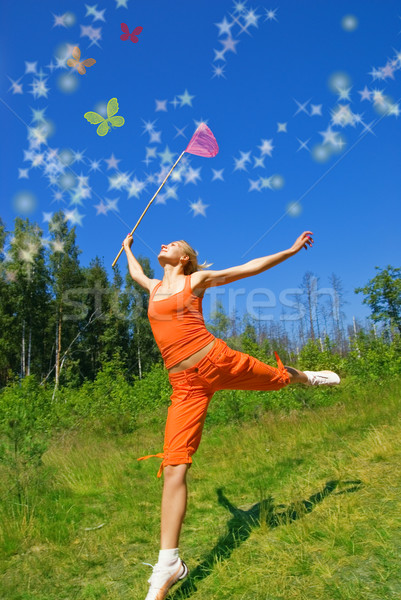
pixel 127 243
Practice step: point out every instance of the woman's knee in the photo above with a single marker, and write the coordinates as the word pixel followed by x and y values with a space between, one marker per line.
pixel 176 473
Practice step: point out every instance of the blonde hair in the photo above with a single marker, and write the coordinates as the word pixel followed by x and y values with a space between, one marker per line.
pixel 192 265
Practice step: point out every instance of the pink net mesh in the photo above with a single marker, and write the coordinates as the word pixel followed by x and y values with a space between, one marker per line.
pixel 203 142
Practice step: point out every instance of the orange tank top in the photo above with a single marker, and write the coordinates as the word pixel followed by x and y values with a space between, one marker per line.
pixel 177 324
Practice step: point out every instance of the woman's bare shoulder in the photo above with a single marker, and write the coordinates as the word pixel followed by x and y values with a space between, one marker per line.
pixel 152 284
pixel 198 279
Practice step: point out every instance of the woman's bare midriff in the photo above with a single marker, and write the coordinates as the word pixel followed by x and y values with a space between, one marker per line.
pixel 190 361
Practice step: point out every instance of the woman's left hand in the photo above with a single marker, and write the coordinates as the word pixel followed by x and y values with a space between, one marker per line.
pixel 303 241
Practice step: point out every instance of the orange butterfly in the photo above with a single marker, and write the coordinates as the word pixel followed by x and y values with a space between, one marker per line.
pixel 75 62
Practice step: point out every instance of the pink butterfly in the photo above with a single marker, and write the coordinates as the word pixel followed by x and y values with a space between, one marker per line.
pixel 132 36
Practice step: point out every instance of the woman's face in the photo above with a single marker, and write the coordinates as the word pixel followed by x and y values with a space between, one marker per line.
pixel 170 253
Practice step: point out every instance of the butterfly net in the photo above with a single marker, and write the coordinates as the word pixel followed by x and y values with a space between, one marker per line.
pixel 203 142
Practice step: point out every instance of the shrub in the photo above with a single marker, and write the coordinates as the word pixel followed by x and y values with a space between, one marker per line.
pixel 25 427
pixel 373 358
pixel 312 358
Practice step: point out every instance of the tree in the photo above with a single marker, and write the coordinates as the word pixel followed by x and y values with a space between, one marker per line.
pixel 309 286
pixel 142 349
pixel 66 276
pixel 116 336
pixel 220 323
pixel 383 295
pixel 96 298
pixel 336 312
pixel 8 336
pixel 29 295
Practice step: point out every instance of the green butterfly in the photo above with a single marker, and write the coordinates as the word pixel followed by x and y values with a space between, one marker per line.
pixel 105 124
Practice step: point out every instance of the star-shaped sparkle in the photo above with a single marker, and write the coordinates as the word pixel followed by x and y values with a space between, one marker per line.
pixel 229 44
pixel 74 216
pixel 301 107
pixel 271 14
pixel 93 33
pixel 38 116
pixel 192 175
pixel 254 185
pixel 30 67
pixel 154 137
pixel 218 72
pixel 112 204
pixel 199 208
pixel 39 88
pixel 180 131
pixel 224 27
pixel 251 19
pixel 167 156
pixel 16 87
pixel 161 105
pixel 266 147
pixel 259 161
pixel 185 98
pixel 329 136
pixel 316 109
pixel 219 54
pixel 98 15
pixel 303 145
pixel 59 20
pixel 112 162
pixel 95 165
pixel 217 174
pixel 148 126
pixel 135 187
pixel 101 209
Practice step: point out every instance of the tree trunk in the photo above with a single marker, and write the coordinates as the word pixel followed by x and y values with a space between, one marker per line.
pixel 29 350
pixel 337 314
pixel 309 285
pixel 139 361
pixel 23 350
pixel 356 343
pixel 58 346
pixel 317 322
pixel 312 333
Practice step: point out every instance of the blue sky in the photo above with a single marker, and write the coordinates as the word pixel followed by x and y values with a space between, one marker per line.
pixel 302 97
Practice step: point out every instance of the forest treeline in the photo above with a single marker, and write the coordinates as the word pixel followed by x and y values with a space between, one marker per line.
pixel 77 351
pixel 62 322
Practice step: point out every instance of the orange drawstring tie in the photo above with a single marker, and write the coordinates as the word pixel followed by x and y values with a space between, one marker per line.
pixel 280 365
pixel 159 455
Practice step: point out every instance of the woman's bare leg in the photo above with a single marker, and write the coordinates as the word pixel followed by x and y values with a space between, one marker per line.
pixel 296 376
pixel 174 504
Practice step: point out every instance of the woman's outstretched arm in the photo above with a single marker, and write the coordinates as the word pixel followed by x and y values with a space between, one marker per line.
pixel 255 266
pixel 135 268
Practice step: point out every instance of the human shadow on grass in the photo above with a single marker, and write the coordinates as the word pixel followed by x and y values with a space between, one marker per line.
pixel 243 521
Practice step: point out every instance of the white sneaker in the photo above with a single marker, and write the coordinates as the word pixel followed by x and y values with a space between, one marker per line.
pixel 163 578
pixel 322 378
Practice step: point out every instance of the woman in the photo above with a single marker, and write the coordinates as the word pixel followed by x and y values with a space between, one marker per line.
pixel 198 365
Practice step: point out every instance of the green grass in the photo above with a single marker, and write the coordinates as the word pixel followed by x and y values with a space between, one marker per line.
pixel 302 504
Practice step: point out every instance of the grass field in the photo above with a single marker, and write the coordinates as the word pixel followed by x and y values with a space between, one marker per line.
pixel 297 505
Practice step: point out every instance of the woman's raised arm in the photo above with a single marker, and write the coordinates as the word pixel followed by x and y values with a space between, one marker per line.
pixel 134 267
pixel 255 266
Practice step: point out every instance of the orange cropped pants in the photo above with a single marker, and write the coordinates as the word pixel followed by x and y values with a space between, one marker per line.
pixel 221 369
